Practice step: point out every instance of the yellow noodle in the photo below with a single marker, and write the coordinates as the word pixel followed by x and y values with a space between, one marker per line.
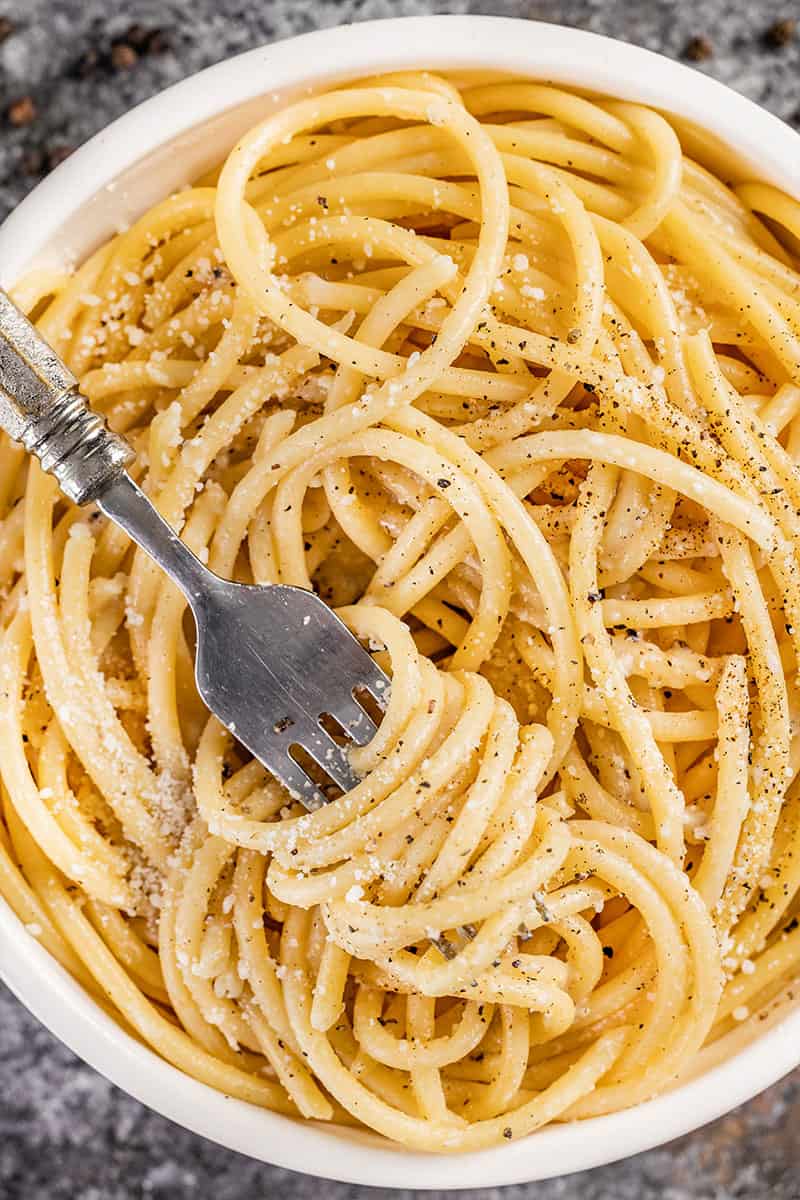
pixel 515 384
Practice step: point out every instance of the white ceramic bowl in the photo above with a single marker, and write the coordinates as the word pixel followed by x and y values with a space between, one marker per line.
pixel 113 179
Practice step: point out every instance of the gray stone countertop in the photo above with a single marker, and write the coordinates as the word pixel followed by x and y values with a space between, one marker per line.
pixel 66 1133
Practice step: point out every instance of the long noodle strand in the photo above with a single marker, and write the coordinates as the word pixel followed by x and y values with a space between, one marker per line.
pixel 514 384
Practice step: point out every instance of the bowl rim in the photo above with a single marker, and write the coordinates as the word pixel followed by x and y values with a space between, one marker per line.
pixel 545 52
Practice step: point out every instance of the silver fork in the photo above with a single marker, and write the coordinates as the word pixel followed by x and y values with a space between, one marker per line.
pixel 273 663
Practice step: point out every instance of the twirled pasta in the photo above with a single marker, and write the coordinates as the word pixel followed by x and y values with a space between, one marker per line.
pixel 514 382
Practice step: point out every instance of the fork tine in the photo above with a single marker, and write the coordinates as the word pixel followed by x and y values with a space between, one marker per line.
pixel 376 683
pixel 300 785
pixel 354 720
pixel 331 757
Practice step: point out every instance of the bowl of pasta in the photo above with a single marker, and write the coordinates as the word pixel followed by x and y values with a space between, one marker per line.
pixel 487 331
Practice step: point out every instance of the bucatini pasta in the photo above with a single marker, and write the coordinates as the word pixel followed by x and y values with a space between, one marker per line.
pixel 514 382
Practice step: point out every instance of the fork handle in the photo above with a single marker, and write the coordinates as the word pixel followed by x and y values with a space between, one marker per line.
pixel 41 407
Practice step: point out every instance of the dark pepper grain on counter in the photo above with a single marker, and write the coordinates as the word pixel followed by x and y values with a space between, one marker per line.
pixel 698 49
pixel 780 34
pixel 22 111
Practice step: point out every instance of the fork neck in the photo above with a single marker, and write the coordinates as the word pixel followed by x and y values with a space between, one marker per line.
pixel 127 504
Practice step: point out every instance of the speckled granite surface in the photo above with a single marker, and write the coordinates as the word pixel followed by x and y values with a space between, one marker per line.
pixel 65 1133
